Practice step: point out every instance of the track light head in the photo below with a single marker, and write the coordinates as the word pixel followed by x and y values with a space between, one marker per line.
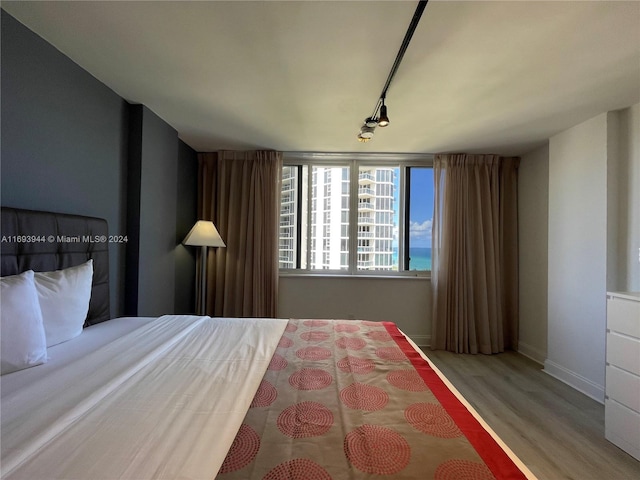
pixel 366 131
pixel 371 122
pixel 383 120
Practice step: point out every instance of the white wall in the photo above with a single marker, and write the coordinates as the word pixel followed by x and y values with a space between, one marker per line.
pixel 594 240
pixel 405 301
pixel 629 201
pixel 578 256
pixel 533 219
pixel 614 199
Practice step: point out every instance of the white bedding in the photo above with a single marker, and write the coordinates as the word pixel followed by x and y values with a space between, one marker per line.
pixel 127 389
pixel 91 339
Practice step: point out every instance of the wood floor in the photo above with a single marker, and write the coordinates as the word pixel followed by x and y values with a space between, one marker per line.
pixel 555 430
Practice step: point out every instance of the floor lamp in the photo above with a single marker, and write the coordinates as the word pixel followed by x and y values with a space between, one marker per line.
pixel 203 234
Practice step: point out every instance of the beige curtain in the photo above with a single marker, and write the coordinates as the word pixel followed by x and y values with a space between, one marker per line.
pixel 240 193
pixel 475 254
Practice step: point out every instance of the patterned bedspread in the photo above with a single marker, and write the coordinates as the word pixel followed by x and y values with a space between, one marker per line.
pixel 346 399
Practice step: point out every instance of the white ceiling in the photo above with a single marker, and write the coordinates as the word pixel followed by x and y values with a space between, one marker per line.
pixel 479 76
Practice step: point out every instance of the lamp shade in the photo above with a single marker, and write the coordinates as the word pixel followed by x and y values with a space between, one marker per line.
pixel 204 234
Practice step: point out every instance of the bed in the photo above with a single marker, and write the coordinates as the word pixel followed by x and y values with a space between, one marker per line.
pixel 191 397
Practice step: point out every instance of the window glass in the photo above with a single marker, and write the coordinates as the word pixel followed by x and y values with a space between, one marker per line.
pixel 377 218
pixel 390 230
pixel 330 219
pixel 420 208
pixel 289 217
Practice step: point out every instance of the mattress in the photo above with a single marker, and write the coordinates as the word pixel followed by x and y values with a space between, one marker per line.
pixel 186 397
pixel 163 401
pixel 63 354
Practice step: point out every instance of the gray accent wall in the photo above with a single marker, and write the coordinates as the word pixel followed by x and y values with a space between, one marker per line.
pixel 70 144
pixel 64 139
pixel 186 209
pixel 151 218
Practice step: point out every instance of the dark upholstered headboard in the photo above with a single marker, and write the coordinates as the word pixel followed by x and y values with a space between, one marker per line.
pixel 58 241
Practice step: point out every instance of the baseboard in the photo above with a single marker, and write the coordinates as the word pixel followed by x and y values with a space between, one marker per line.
pixel 531 352
pixel 575 380
pixel 423 341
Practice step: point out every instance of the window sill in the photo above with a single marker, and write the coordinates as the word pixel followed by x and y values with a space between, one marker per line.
pixel 393 276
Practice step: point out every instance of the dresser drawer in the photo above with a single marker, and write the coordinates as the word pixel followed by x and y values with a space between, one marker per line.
pixel 623 352
pixel 623 387
pixel 623 316
pixel 622 427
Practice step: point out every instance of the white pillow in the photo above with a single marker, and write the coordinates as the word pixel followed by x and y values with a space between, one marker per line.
pixel 22 340
pixel 64 299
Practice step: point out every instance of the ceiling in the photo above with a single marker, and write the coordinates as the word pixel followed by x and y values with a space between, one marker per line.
pixel 479 76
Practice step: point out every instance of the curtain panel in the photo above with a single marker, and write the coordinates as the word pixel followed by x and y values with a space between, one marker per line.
pixel 475 254
pixel 240 193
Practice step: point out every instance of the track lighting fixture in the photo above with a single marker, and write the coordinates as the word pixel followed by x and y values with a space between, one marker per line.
pixel 371 122
pixel 366 132
pixel 383 120
pixel 379 116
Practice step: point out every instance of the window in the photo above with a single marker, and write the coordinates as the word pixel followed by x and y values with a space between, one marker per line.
pixel 374 215
pixel 289 218
pixel 420 215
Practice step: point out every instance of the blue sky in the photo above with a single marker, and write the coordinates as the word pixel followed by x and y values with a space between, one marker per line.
pixel 421 207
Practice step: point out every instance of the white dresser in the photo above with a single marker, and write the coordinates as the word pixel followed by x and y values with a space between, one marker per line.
pixel 622 389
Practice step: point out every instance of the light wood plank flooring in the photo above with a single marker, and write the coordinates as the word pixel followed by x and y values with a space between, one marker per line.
pixel 555 430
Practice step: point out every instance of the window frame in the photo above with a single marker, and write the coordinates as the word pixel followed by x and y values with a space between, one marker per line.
pixel 355 161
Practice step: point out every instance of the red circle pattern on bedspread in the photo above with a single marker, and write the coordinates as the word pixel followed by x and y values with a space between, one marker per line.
pixel 310 379
pixel 243 450
pixel 372 379
pixel 298 469
pixel 361 396
pixel 351 343
pixel 306 419
pixel 432 419
pixel 265 395
pixel 350 364
pixel 392 452
pixel 278 362
pixel 459 469
pixel 313 353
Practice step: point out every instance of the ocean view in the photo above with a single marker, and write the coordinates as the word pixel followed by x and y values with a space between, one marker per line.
pixel 420 258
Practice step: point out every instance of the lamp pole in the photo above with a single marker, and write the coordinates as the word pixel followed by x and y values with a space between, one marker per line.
pixel 203 234
pixel 202 308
